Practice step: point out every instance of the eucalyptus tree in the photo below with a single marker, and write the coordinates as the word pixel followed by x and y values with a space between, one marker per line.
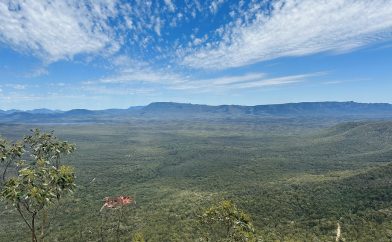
pixel 38 178
pixel 226 222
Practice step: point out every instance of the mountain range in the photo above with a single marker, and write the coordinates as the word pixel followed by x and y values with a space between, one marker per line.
pixel 171 110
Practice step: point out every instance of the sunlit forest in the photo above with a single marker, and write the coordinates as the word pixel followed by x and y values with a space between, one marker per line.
pixel 291 182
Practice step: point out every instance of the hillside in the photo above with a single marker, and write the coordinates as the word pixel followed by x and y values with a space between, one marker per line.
pixel 295 183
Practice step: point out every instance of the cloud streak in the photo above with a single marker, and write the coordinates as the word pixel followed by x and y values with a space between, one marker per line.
pixel 189 47
pixel 245 81
pixel 55 30
pixel 252 31
pixel 296 28
pixel 146 78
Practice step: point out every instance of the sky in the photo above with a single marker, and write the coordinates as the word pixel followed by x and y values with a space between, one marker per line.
pixel 102 54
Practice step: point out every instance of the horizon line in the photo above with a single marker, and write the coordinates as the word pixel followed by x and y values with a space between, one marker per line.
pixel 188 103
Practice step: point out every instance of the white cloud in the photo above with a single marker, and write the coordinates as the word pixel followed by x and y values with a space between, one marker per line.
pixel 332 82
pixel 245 81
pixel 140 76
pixel 275 81
pixel 145 77
pixel 130 73
pixel 116 91
pixel 16 86
pixel 214 6
pixel 170 5
pixel 158 26
pixel 37 72
pixel 56 30
pixel 297 28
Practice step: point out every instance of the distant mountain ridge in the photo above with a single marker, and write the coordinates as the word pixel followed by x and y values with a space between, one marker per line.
pixel 172 110
pixel 275 109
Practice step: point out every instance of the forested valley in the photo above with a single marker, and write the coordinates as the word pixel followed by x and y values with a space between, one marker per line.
pixel 294 181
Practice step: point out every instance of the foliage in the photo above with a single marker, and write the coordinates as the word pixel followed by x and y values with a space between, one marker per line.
pixel 296 179
pixel 41 180
pixel 226 219
pixel 138 237
pixel 9 152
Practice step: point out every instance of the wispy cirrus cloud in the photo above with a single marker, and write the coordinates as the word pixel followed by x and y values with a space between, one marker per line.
pixel 16 86
pixel 170 5
pixel 129 71
pixel 55 30
pixel 295 28
pixel 132 73
pixel 252 31
pixel 244 81
pixel 153 80
pixel 118 91
pixel 143 76
pixel 156 46
pixel 214 6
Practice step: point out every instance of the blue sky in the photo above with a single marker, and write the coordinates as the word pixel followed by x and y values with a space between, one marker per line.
pixel 115 54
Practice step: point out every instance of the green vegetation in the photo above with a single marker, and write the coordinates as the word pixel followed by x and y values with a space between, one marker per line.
pixel 224 221
pixel 40 181
pixel 295 180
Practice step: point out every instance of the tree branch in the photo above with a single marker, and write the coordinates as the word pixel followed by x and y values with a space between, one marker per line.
pixel 5 169
pixel 24 218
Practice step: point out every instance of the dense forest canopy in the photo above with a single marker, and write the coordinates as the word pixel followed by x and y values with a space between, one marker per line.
pixel 295 181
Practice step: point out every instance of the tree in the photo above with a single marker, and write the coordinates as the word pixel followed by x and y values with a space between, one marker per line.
pixel 40 179
pixel 138 237
pixel 226 221
pixel 8 154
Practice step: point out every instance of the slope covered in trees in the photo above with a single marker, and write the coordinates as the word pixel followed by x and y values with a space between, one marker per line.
pixel 295 181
